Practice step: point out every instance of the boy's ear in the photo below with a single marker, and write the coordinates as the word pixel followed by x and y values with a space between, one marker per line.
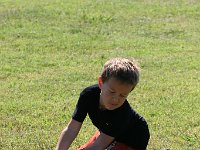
pixel 100 82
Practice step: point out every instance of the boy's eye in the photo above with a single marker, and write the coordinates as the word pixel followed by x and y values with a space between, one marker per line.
pixel 111 92
pixel 122 96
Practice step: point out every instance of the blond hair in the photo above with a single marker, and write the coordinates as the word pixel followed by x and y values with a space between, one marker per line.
pixel 123 69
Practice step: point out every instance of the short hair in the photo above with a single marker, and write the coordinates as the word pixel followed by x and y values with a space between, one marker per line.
pixel 123 69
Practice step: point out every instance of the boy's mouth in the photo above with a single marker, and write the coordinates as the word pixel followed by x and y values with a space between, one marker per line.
pixel 113 104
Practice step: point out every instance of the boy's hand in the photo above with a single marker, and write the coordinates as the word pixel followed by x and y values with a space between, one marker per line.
pixel 101 142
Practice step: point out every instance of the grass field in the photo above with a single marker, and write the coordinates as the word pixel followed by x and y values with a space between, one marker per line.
pixel 51 50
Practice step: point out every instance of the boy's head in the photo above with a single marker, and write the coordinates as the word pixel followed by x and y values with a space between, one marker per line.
pixel 118 78
pixel 122 69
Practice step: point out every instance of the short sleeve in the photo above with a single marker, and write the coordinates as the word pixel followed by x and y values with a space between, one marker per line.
pixel 81 109
pixel 143 136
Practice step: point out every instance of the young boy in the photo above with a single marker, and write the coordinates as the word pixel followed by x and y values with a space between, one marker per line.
pixel 120 127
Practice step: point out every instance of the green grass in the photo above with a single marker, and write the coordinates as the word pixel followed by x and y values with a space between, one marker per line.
pixel 51 50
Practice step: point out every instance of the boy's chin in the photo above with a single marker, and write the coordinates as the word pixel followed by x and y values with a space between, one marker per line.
pixel 108 107
pixel 112 107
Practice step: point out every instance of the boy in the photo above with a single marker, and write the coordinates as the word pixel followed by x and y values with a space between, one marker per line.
pixel 120 127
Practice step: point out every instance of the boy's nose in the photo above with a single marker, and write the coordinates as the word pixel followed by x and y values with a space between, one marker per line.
pixel 115 98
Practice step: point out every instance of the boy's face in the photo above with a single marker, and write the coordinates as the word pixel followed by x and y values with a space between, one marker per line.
pixel 113 93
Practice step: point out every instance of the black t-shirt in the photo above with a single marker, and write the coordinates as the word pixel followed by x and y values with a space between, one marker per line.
pixel 123 123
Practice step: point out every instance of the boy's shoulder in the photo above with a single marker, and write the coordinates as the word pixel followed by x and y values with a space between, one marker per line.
pixel 133 114
pixel 93 89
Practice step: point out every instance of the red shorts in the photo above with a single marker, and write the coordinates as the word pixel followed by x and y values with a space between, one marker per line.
pixel 113 146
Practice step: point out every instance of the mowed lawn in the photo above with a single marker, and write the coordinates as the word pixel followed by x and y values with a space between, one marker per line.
pixel 51 50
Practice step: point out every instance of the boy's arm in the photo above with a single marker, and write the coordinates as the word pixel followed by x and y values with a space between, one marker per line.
pixel 101 142
pixel 68 135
